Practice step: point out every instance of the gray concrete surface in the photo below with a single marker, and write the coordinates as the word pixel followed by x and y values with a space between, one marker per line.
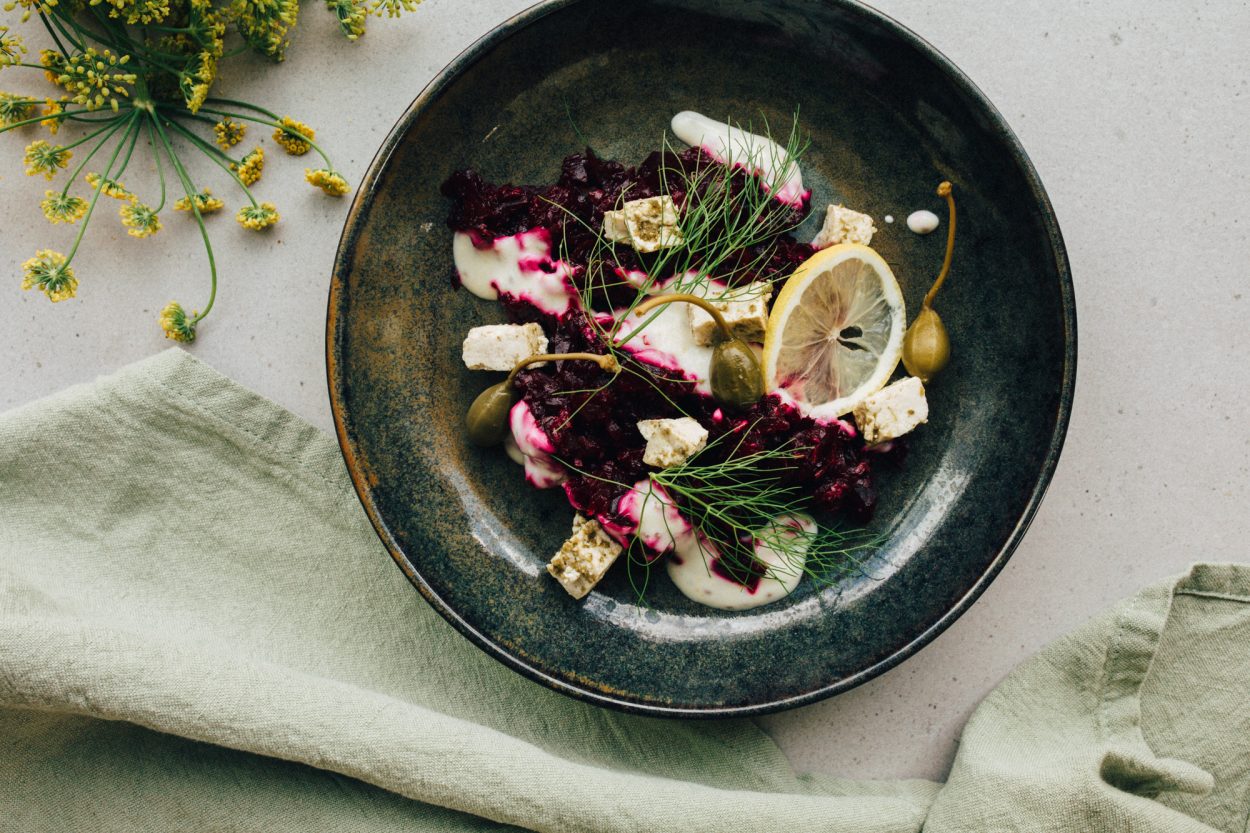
pixel 1136 115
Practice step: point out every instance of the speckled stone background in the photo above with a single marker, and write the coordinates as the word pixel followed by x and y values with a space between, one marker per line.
pixel 1136 121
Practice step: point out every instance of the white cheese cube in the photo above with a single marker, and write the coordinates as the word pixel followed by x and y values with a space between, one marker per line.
pixel 745 309
pixel 671 441
pixel 501 346
pixel 584 558
pixel 892 411
pixel 842 225
pixel 647 224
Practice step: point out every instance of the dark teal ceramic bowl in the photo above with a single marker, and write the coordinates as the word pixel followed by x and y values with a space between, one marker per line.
pixel 889 117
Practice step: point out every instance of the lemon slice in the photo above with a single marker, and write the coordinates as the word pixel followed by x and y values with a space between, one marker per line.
pixel 835 333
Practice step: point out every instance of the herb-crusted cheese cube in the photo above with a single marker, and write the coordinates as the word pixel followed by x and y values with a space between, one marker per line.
pixel 892 411
pixel 842 225
pixel 501 346
pixel 584 558
pixel 647 224
pixel 745 309
pixel 671 441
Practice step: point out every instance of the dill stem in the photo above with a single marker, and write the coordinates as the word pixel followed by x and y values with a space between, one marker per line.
pixel 190 190
pixel 113 128
pixel 100 189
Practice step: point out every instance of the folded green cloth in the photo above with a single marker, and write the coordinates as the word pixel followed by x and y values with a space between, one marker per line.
pixel 199 631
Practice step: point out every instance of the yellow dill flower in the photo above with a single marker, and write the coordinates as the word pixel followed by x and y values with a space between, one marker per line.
pixel 53 64
pixel 329 181
pixel 258 217
pixel 176 323
pixel 140 220
pixel 15 108
pixel 30 6
pixel 251 166
pixel 51 274
pixel 94 77
pixel 111 187
pixel 351 15
pixel 205 27
pixel 195 81
pixel 46 159
pixel 62 208
pixel 137 11
pixel 264 24
pixel 204 201
pixel 294 136
pixel 392 8
pixel 229 132
pixel 11 48
pixel 53 110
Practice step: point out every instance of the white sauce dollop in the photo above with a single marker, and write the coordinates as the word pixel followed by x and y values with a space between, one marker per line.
pixel 668 342
pixel 519 265
pixel 652 516
pixel 922 222
pixel 735 146
pixel 541 470
pixel 690 568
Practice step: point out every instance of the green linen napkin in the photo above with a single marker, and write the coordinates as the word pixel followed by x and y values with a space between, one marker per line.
pixel 199 631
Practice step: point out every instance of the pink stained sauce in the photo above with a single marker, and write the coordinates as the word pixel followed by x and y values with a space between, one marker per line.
pixel 517 265
pixel 541 469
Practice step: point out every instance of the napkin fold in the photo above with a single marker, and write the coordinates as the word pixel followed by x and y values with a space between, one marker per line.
pixel 200 631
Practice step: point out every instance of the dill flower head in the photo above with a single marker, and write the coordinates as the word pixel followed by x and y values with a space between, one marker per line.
pixel 264 24
pixel 294 136
pixel 51 273
pixel 137 11
pixel 62 208
pixel 110 187
pixel 196 79
pixel 204 201
pixel 229 132
pixel 95 77
pixel 176 323
pixel 53 110
pixel 205 27
pixel 46 159
pixel 251 166
pixel 11 48
pixel 329 181
pixel 15 108
pixel 351 14
pixel 53 63
pixel 258 217
pixel 392 8
pixel 30 6
pixel 140 220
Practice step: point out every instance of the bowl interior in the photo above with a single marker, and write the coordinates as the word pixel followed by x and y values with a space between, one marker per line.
pixel 888 120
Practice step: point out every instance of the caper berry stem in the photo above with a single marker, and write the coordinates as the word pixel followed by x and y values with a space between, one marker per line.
pixel 606 362
pixel 686 298
pixel 943 190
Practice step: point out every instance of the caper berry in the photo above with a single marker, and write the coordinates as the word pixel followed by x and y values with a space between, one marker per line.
pixel 486 423
pixel 926 346
pixel 736 376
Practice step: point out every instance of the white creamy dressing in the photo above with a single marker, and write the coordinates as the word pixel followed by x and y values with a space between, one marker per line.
pixel 519 265
pixel 889 218
pixel 690 568
pixel 652 517
pixel 735 146
pixel 541 470
pixel 667 342
pixel 922 222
